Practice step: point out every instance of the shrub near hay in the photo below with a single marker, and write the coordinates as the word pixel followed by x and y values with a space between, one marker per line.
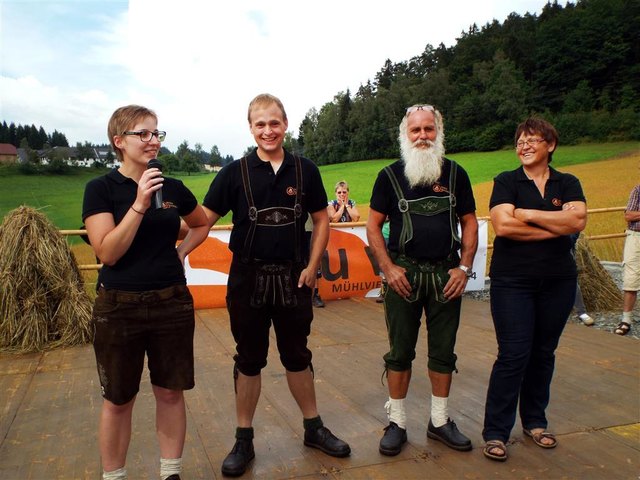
pixel 600 292
pixel 43 303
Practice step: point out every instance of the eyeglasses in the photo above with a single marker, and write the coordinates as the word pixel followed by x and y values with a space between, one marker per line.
pixel 415 108
pixel 146 135
pixel 341 192
pixel 532 142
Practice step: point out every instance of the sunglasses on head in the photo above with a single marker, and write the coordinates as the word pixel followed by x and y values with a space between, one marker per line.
pixel 415 108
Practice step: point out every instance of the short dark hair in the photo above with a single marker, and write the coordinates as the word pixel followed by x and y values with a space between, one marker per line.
pixel 538 126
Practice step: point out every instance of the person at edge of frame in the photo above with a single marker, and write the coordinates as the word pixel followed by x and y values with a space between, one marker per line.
pixel 630 261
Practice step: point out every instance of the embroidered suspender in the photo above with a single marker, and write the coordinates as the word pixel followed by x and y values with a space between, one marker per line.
pixel 425 206
pixel 272 216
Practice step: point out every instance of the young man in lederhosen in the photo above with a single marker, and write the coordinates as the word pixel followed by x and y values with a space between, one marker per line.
pixel 270 193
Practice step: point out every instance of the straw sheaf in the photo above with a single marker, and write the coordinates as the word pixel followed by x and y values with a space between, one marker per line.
pixel 600 292
pixel 43 303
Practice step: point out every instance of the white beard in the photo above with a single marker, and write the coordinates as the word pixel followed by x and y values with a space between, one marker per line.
pixel 422 166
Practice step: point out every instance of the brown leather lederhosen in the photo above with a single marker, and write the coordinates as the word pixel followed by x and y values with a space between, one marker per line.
pixel 274 283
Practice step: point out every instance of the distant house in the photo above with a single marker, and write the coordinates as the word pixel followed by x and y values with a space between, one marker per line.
pixel 102 154
pixel 23 156
pixel 8 153
pixel 70 156
pixel 66 154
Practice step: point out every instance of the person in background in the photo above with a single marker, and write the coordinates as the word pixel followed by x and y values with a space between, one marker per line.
pixel 580 308
pixel 342 209
pixel 316 300
pixel 385 235
pixel 630 261
pixel 534 210
pixel 143 305
pixel 270 193
pixel 425 196
pixel 578 305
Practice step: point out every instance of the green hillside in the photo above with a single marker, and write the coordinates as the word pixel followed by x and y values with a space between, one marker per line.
pixel 60 197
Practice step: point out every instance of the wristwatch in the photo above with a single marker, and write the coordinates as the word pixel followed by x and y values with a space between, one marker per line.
pixel 467 270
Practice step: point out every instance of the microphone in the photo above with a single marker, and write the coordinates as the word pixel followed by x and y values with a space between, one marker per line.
pixel 157 195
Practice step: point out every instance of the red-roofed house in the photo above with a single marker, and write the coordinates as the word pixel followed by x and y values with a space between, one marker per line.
pixel 8 153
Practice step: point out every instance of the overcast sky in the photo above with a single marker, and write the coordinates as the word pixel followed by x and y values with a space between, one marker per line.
pixel 67 65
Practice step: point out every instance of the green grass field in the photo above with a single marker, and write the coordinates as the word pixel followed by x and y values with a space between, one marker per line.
pixel 60 197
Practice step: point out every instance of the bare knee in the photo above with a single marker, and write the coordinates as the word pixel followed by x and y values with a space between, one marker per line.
pixel 113 409
pixel 166 396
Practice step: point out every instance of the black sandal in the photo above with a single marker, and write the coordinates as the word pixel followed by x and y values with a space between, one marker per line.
pixel 622 328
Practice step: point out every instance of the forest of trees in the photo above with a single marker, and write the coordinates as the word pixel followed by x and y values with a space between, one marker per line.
pixel 188 159
pixel 36 138
pixel 577 66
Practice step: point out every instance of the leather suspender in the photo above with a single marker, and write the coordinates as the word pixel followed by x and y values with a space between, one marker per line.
pixel 405 207
pixel 272 216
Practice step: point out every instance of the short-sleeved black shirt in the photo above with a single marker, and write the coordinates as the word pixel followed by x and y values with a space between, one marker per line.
pixel 544 258
pixel 431 234
pixel 151 262
pixel 269 189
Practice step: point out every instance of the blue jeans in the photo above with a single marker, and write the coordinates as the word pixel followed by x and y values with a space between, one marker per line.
pixel 529 315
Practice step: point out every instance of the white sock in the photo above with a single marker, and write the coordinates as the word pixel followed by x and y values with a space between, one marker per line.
pixel 170 466
pixel 119 474
pixel 439 411
pixel 396 412
pixel 626 317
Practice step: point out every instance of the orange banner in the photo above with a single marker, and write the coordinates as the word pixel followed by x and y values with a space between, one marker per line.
pixel 348 267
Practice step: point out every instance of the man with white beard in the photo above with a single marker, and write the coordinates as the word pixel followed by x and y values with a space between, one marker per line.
pixel 425 196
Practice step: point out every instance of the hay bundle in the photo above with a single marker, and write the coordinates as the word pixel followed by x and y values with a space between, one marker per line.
pixel 43 303
pixel 600 292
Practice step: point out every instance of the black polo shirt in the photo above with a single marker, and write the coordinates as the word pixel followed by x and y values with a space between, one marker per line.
pixel 431 234
pixel 269 189
pixel 544 258
pixel 151 262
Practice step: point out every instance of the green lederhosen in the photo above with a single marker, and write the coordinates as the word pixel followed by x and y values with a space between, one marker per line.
pixel 427 279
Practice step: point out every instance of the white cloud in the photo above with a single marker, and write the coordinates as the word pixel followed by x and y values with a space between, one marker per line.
pixel 198 64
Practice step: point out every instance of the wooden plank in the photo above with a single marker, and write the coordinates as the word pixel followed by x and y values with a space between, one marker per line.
pixel 51 402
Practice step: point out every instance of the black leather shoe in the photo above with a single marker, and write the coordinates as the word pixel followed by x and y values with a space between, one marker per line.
pixel 449 435
pixel 317 301
pixel 322 439
pixel 392 440
pixel 238 459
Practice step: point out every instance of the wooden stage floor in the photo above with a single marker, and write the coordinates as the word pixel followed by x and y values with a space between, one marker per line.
pixel 50 404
